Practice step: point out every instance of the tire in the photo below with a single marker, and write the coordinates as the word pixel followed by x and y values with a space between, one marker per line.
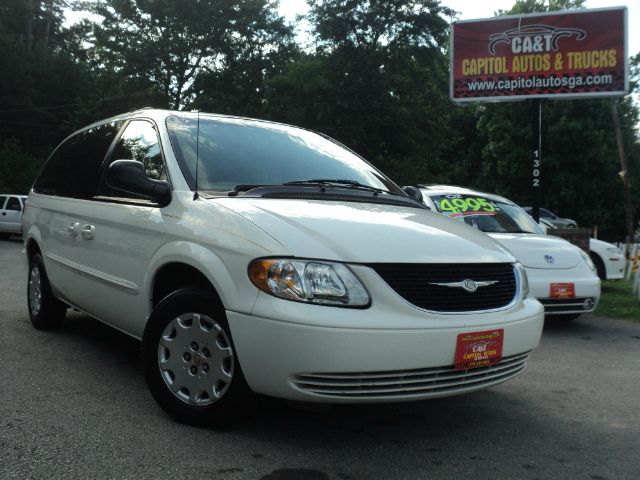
pixel 197 380
pixel 45 310
pixel 597 261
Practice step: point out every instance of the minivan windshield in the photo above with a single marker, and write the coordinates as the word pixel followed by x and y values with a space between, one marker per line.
pixel 487 215
pixel 239 154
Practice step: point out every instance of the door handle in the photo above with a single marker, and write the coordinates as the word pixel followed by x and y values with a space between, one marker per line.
pixel 88 232
pixel 73 229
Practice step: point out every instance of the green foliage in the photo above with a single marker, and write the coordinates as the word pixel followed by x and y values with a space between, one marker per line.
pixel 377 80
pixel 617 301
pixel 17 168
pixel 377 83
pixel 260 47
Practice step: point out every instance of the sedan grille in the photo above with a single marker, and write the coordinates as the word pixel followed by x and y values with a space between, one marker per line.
pixel 421 383
pixel 418 284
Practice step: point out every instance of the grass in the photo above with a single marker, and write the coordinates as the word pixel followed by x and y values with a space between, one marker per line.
pixel 617 302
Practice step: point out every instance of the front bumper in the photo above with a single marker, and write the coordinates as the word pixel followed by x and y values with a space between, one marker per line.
pixel 385 360
pixel 587 289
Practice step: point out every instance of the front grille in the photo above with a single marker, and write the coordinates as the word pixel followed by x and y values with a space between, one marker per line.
pixel 421 383
pixel 414 283
pixel 567 305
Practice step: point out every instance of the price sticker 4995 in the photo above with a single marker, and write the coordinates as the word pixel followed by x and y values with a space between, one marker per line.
pixel 462 204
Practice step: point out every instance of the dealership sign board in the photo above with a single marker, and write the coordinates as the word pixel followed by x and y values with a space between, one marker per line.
pixel 578 53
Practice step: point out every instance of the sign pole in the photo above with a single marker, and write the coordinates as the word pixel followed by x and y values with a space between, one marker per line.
pixel 536 147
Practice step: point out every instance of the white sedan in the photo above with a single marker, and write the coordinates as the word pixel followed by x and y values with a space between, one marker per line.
pixel 561 276
pixel 610 262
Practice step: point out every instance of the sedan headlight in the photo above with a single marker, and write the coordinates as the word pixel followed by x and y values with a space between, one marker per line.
pixel 311 281
pixel 524 280
pixel 588 261
pixel 614 250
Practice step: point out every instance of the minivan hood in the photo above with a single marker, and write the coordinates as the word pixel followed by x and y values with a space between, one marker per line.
pixel 366 233
pixel 539 251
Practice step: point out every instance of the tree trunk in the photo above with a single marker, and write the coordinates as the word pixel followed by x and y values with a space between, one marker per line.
pixel 625 174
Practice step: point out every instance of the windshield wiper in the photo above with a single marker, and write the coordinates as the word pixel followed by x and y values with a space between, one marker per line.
pixel 338 182
pixel 245 187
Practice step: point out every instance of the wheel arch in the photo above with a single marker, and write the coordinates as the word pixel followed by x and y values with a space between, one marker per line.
pixel 185 264
pixel 599 263
pixel 174 276
pixel 32 247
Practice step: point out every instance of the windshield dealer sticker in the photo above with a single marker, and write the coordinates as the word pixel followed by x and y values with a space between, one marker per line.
pixel 479 349
pixel 456 205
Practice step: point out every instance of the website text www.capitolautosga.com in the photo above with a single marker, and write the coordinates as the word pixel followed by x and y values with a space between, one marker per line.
pixel 552 81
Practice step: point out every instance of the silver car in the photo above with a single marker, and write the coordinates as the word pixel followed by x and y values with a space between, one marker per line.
pixel 11 207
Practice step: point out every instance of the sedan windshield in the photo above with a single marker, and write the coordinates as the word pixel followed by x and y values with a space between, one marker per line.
pixel 487 215
pixel 235 155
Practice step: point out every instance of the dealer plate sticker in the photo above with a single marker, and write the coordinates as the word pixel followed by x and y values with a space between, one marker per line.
pixel 479 349
pixel 563 290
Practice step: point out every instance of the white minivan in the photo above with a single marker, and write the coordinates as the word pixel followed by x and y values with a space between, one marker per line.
pixel 253 256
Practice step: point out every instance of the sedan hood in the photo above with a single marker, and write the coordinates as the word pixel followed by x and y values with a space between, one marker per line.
pixel 366 233
pixel 540 251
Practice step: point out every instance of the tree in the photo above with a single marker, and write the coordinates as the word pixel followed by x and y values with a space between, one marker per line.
pixel 169 42
pixel 259 48
pixel 40 81
pixel 377 82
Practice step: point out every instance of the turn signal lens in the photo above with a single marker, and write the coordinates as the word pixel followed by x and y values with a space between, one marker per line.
pixel 325 283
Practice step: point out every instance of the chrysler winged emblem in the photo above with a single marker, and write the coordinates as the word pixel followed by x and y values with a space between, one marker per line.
pixel 466 284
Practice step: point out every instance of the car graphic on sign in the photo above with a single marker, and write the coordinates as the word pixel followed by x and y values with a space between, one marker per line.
pixel 550 34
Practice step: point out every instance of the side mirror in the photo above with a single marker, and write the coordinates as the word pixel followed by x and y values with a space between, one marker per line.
pixel 129 175
pixel 413 192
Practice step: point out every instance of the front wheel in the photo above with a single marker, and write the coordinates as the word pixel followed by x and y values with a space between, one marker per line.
pixel 190 363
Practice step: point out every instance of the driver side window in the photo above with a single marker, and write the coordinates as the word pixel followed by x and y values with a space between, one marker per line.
pixel 139 142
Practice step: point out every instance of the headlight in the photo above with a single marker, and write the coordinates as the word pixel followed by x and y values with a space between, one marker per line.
pixel 614 250
pixel 311 281
pixel 587 260
pixel 524 281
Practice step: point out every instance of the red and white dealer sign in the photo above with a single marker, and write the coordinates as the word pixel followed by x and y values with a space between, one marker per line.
pixel 479 349
pixel 559 54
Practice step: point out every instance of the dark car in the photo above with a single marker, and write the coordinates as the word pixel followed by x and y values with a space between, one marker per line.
pixel 552 218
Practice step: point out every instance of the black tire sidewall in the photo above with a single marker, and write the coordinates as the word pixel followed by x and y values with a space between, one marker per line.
pixel 186 300
pixel 600 268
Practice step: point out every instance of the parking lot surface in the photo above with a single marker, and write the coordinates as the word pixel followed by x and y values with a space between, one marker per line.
pixel 74 404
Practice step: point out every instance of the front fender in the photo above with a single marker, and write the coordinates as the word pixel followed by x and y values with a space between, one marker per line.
pixel 229 278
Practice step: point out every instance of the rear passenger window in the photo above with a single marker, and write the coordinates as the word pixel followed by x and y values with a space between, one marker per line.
pixel 73 170
pixel 14 204
pixel 2 200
